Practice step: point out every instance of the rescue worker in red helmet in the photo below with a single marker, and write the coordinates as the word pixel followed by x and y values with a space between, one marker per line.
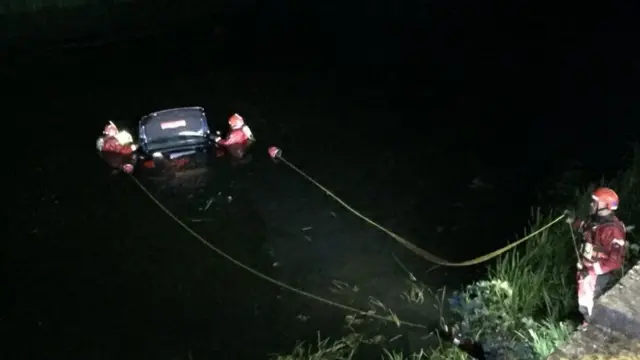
pixel 239 138
pixel 117 148
pixel 602 249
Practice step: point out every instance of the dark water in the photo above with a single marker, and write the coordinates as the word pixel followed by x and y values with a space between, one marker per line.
pixel 398 120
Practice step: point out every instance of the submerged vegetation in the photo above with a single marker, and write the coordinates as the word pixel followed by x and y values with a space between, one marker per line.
pixel 522 310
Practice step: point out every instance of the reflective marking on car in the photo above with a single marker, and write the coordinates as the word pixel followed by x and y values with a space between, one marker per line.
pixel 173 124
pixel 177 155
pixel 149 164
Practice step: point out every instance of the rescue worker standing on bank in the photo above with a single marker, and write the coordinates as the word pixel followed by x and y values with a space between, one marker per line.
pixel 602 249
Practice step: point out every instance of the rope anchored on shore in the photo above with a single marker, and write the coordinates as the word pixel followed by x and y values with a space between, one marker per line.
pixel 276 154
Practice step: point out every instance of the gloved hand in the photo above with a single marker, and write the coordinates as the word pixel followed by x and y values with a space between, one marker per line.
pixel 569 216
pixel 127 168
pixel 583 271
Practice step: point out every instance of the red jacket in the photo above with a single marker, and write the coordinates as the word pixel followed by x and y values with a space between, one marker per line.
pixel 111 144
pixel 237 141
pixel 115 154
pixel 604 243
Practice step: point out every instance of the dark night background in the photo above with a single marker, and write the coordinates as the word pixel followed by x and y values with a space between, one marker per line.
pixel 395 105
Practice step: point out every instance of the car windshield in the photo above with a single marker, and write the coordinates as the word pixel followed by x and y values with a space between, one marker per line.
pixel 175 125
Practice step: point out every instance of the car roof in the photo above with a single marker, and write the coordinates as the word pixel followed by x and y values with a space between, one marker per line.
pixel 174 112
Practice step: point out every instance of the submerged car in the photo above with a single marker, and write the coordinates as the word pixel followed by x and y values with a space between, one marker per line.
pixel 175 138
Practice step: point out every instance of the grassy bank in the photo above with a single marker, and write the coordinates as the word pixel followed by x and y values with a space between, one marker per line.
pixel 523 309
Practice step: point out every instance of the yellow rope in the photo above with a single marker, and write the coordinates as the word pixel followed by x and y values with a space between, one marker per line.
pixel 268 278
pixel 409 245
pixel 428 256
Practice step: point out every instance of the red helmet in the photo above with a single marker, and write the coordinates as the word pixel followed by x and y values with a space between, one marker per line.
pixel 110 129
pixel 606 196
pixel 236 121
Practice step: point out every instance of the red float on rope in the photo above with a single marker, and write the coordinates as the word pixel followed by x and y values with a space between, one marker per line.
pixel 275 152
